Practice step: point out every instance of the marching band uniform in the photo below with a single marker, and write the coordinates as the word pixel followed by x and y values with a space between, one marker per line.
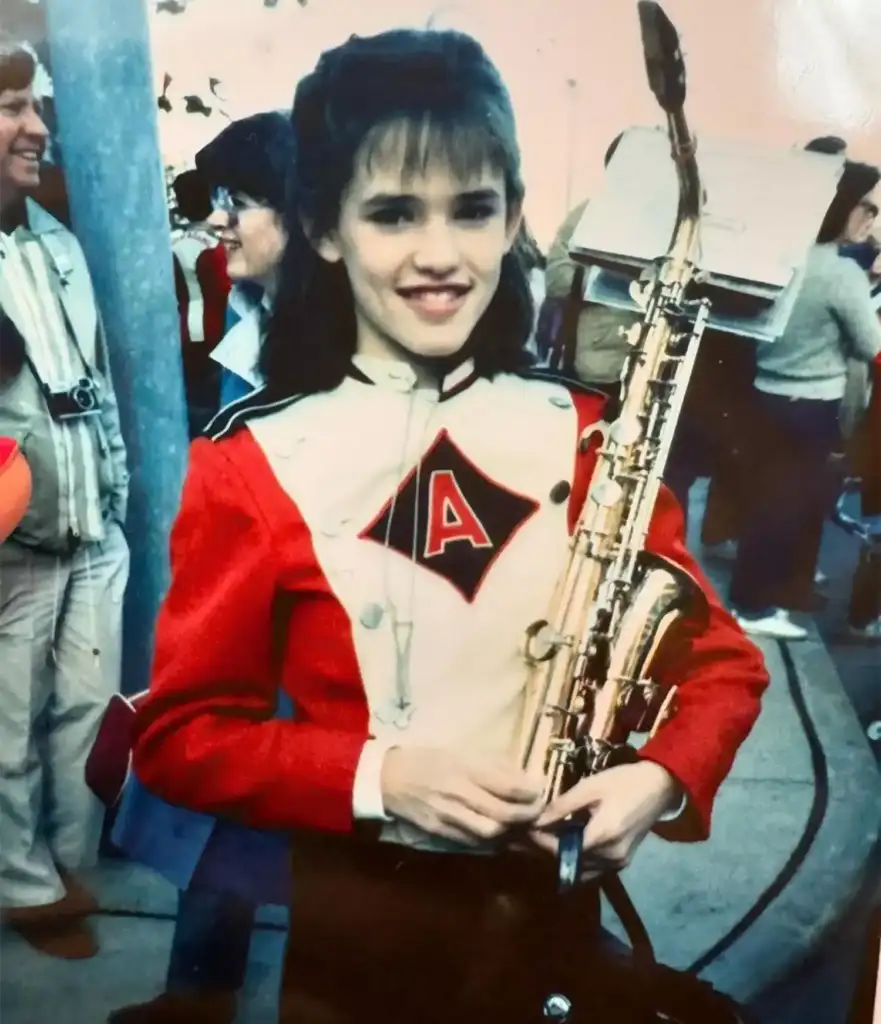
pixel 403 538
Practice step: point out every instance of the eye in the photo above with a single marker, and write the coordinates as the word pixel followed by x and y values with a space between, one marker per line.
pixel 476 211
pixel 391 216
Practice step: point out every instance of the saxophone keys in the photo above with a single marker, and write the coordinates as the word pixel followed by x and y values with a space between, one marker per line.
pixel 607 493
pixel 626 431
pixel 543 642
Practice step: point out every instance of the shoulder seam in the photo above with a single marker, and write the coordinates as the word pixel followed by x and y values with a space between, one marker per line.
pixel 553 377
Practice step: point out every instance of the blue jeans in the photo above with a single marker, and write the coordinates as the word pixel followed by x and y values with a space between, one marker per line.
pixel 212 939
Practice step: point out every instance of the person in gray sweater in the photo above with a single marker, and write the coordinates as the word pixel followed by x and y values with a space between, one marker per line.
pixel 798 391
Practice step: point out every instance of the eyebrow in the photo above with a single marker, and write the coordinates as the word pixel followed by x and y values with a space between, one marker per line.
pixel 472 195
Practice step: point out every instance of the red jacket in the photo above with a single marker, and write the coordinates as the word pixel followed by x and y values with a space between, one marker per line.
pixel 297 506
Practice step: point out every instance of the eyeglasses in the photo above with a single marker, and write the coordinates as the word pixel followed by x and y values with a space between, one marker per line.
pixel 230 203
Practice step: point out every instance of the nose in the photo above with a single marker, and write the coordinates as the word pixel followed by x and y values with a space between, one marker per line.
pixel 438 250
pixel 218 219
pixel 34 125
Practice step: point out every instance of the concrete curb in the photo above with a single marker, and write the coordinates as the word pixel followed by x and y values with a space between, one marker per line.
pixel 798 846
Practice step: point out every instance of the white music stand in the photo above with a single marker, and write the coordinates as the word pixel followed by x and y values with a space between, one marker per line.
pixel 763 209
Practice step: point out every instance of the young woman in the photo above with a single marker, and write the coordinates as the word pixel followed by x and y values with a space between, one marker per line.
pixel 795 427
pixel 247 166
pixel 373 531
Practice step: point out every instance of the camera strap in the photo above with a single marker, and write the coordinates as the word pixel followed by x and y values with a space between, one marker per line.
pixel 72 338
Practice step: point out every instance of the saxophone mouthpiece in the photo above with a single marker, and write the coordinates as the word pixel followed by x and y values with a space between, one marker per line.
pixel 663 56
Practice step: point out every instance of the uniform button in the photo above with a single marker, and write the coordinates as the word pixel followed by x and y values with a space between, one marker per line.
pixel 560 492
pixel 371 615
pixel 560 401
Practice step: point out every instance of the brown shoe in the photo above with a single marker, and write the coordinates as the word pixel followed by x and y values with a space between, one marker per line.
pixel 64 937
pixel 170 1008
pixel 78 900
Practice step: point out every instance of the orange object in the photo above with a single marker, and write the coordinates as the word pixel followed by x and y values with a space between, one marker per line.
pixel 15 486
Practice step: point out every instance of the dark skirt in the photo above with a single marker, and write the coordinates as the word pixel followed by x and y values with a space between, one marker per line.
pixel 386 934
pixel 382 933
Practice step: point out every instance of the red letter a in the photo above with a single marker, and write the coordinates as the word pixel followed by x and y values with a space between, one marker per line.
pixel 450 517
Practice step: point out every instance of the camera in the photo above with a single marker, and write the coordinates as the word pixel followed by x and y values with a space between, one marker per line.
pixel 74 402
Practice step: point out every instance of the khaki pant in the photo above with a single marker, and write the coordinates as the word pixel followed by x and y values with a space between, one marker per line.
pixel 60 654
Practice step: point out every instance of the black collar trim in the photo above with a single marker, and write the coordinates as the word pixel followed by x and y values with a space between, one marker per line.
pixel 236 415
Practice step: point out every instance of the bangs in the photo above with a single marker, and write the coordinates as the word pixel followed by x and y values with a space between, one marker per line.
pixel 412 147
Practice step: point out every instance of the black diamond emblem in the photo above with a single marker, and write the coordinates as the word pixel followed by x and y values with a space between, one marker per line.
pixel 464 519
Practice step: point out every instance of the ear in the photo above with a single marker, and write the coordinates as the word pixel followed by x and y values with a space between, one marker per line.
pixel 512 228
pixel 327 247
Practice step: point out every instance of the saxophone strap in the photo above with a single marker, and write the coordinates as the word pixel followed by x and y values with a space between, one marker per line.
pixel 619 900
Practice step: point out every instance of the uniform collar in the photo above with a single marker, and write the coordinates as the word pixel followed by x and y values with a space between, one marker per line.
pixel 399 376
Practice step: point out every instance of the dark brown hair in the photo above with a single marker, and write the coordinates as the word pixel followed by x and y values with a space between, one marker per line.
pixel 17 64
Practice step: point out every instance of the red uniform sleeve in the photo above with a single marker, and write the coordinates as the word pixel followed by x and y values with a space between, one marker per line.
pixel 721 677
pixel 205 736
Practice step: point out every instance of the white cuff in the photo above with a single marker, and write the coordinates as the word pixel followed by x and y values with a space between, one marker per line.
pixel 367 802
pixel 674 814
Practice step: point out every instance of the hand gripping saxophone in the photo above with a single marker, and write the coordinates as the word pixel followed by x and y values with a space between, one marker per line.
pixel 616 605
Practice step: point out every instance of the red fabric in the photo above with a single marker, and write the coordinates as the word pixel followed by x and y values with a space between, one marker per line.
pixel 205 737
pixel 215 286
pixel 16 485
pixel 8 447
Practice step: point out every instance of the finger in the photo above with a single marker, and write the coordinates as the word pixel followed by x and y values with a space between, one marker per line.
pixel 594 864
pixel 465 821
pixel 581 797
pixel 589 876
pixel 490 806
pixel 506 783
pixel 547 842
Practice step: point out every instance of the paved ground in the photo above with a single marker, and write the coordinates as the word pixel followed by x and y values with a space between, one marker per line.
pixel 791 855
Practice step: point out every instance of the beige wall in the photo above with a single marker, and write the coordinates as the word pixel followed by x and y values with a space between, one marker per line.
pixel 733 57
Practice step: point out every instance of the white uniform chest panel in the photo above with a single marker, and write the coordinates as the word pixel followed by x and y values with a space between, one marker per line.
pixel 443 587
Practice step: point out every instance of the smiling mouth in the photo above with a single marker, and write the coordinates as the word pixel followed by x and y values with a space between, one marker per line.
pixel 435 302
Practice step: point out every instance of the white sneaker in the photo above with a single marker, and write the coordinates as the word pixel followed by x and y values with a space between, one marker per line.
pixel 820 578
pixel 777 625
pixel 871 631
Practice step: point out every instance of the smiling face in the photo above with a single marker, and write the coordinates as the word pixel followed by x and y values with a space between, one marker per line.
pixel 23 138
pixel 252 234
pixel 422 249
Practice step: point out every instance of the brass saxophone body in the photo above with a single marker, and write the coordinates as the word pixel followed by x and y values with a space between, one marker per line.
pixel 616 606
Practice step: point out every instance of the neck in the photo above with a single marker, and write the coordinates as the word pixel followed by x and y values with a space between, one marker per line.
pixel 12 210
pixel 269 283
pixel 430 371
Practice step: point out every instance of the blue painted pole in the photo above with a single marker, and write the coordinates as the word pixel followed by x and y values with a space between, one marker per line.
pixel 106 109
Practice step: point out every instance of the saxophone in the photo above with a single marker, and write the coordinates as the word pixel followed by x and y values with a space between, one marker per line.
pixel 616 605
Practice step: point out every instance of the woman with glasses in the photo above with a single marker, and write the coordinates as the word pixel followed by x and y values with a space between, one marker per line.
pixel 247 200
pixel 223 871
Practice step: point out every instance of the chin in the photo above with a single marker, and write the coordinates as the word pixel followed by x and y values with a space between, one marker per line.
pixel 437 348
pixel 28 181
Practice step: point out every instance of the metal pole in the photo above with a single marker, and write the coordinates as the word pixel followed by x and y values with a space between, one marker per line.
pixel 101 69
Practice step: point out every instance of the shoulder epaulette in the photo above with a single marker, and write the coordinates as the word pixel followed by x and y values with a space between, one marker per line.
pixel 231 418
pixel 566 381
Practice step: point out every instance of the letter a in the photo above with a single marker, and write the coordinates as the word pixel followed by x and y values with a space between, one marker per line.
pixel 450 517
